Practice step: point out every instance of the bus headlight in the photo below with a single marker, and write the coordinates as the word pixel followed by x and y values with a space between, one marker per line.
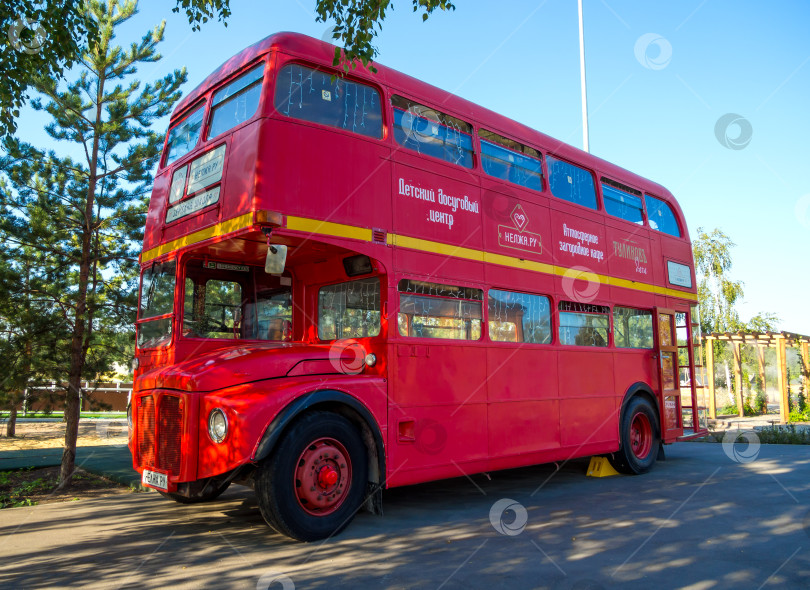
pixel 217 425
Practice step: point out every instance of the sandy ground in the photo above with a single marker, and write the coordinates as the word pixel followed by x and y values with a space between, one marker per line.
pixel 50 435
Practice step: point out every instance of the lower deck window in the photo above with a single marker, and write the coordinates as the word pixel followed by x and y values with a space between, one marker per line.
pixel 431 310
pixel 632 328
pixel 519 317
pixel 349 310
pixel 584 324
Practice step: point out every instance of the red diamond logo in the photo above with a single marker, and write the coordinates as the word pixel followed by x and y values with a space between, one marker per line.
pixel 520 218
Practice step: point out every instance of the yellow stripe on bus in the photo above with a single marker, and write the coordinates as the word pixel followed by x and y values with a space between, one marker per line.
pixel 216 230
pixel 339 230
pixel 327 228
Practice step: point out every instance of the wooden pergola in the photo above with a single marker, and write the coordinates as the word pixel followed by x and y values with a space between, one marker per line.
pixel 762 340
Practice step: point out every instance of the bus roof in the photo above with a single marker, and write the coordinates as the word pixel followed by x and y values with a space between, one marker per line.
pixel 320 52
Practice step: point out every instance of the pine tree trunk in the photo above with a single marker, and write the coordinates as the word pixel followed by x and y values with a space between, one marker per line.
pixel 11 427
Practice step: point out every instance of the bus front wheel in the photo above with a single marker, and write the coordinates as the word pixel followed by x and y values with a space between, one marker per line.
pixel 313 483
pixel 640 438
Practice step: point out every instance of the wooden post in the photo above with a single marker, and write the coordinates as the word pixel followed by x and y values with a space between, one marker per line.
pixel 710 376
pixel 805 363
pixel 738 377
pixel 761 363
pixel 781 374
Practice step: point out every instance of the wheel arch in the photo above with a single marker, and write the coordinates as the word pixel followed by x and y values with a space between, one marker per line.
pixel 640 389
pixel 341 403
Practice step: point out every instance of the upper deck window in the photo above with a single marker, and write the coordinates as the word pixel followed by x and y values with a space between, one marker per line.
pixel 428 131
pixel 183 136
pixel 661 216
pixel 571 183
pixel 304 93
pixel 507 159
pixel 237 102
pixel 623 201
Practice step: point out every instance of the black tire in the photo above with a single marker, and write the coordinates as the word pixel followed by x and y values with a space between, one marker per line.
pixel 208 492
pixel 640 437
pixel 278 478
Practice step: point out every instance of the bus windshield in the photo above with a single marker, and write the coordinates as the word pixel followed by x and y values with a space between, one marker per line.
pixel 183 136
pixel 222 300
pixel 157 301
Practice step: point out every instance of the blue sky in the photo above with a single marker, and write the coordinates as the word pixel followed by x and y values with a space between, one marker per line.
pixel 660 76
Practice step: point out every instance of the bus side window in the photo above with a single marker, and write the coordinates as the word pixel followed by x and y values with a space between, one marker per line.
pixel 571 183
pixel 584 324
pixel 320 97
pixel 661 216
pixel 431 310
pixel 507 159
pixel 431 132
pixel 632 328
pixel 349 310
pixel 622 201
pixel 519 317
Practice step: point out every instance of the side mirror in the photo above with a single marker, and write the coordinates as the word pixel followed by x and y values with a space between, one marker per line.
pixel 276 259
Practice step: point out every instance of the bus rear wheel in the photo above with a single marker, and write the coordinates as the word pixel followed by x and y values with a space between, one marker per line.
pixel 313 483
pixel 640 438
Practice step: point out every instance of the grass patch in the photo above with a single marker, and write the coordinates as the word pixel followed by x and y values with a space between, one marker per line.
pixel 31 486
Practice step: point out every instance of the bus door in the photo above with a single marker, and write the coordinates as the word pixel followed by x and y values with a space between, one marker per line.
pixel 667 355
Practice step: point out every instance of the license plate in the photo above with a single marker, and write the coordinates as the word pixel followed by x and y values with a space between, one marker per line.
pixel 156 480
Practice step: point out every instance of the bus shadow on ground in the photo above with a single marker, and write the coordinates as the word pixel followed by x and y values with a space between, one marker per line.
pixel 688 521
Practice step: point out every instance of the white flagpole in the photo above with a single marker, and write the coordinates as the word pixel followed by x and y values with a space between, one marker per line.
pixel 582 80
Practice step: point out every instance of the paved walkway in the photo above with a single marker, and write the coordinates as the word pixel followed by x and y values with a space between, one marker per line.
pixel 698 520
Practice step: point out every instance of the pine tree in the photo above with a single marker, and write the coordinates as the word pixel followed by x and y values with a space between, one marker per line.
pixel 89 211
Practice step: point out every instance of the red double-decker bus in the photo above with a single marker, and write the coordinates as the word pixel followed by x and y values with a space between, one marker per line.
pixel 353 282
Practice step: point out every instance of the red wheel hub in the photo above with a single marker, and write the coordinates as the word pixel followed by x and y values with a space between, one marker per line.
pixel 323 476
pixel 640 435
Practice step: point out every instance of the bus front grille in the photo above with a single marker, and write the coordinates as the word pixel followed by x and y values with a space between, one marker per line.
pixel 146 426
pixel 170 433
pixel 160 432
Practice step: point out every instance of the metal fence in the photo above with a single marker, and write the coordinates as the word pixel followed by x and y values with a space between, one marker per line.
pixel 101 397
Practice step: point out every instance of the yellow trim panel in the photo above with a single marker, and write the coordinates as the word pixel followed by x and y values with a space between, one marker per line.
pixel 339 230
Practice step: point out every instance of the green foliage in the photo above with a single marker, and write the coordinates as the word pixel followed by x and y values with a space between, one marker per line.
pixel 784 435
pixel 83 219
pixel 718 294
pixel 39 52
pixel 357 23
pixel 68 26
